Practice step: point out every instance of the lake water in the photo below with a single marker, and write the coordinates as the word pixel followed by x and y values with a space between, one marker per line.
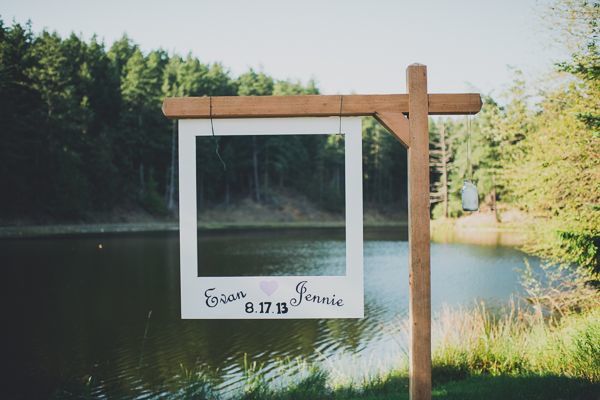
pixel 102 313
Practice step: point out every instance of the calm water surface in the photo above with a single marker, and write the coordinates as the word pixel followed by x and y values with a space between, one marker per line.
pixel 102 313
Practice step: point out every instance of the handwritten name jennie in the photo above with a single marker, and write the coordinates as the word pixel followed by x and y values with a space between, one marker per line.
pixel 304 295
pixel 213 300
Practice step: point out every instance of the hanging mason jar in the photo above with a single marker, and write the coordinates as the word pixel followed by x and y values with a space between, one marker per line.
pixel 470 197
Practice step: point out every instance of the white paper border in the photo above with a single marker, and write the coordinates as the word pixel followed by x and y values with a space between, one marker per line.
pixel 348 287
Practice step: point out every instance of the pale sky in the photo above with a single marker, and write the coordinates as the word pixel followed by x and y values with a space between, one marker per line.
pixel 347 46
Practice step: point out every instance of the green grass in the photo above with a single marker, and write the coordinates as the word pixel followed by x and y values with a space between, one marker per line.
pixel 517 387
pixel 395 386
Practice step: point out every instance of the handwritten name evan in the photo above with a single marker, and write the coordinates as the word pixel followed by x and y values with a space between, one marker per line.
pixel 213 300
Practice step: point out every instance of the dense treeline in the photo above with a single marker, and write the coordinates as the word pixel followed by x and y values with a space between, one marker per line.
pixel 83 133
pixel 540 150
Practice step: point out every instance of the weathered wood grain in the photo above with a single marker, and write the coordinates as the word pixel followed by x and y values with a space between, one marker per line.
pixel 418 234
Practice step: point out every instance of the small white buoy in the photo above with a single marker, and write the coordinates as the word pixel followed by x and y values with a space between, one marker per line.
pixel 470 197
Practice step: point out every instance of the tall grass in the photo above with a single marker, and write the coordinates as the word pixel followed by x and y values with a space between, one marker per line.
pixel 557 330
pixel 518 342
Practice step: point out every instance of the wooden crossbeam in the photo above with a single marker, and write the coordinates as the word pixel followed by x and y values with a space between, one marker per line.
pixel 390 110
pixel 314 105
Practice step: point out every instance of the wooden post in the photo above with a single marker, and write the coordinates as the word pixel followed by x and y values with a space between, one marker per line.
pixel 418 234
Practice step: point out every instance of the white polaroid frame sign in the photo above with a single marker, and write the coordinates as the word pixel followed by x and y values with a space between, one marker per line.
pixel 271 297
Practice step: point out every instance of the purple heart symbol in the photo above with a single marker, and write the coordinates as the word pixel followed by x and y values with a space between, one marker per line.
pixel 269 287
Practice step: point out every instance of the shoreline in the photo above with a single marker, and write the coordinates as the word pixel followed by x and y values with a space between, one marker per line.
pixel 446 231
pixel 59 230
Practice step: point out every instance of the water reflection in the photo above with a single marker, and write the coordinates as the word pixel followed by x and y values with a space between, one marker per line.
pixel 78 313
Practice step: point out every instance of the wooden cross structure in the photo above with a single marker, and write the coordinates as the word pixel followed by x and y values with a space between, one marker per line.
pixel 405 116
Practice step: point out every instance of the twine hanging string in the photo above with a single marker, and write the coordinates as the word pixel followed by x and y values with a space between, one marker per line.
pixel 212 128
pixel 469 165
pixel 341 105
